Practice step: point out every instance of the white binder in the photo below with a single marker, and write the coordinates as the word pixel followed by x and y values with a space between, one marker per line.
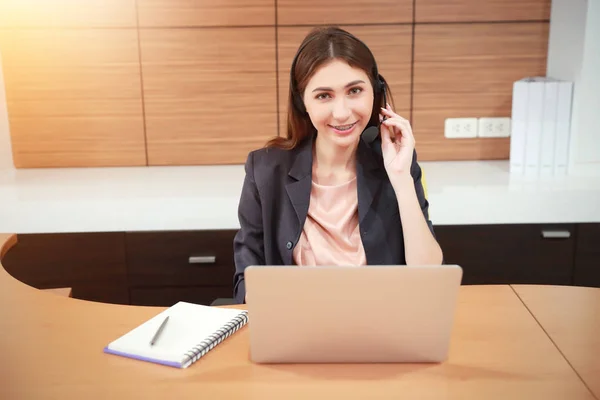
pixel 563 127
pixel 518 127
pixel 548 138
pixel 540 127
pixel 533 137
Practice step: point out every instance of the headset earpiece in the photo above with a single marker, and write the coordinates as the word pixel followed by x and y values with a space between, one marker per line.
pixel 381 86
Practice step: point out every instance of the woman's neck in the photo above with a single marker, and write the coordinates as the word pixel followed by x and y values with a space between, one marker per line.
pixel 333 165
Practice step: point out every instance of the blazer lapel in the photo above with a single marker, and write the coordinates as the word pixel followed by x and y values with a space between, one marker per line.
pixel 368 179
pixel 298 190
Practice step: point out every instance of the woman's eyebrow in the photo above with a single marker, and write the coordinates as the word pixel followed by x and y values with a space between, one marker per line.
pixel 348 85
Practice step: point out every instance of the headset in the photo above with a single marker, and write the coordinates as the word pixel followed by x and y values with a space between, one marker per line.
pixel 379 86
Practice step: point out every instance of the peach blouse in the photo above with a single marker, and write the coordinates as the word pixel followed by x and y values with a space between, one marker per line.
pixel 331 233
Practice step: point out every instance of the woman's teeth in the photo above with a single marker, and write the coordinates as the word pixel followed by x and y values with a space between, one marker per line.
pixel 343 127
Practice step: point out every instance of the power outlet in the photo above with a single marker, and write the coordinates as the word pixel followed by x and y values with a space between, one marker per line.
pixel 460 128
pixel 494 127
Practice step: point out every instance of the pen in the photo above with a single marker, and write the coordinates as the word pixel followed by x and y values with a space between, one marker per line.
pixel 159 331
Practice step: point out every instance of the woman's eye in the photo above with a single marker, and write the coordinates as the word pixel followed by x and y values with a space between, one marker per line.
pixel 353 91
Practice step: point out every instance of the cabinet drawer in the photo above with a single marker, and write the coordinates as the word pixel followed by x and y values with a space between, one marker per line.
pixel 503 254
pixel 203 258
pixel 587 257
pixel 167 296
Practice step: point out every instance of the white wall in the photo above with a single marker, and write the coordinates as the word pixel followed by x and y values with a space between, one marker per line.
pixel 566 39
pixel 587 144
pixel 6 158
pixel 574 54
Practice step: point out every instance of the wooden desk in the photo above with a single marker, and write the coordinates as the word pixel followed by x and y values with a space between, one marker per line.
pixel 51 347
pixel 66 292
pixel 571 317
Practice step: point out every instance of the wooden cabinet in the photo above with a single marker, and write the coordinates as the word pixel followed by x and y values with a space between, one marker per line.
pixel 502 254
pixel 92 264
pixel 164 266
pixel 186 13
pixel 209 94
pixel 587 257
pixel 102 83
pixel 338 12
pixel 67 14
pixel 180 258
pixel 161 268
pixel 140 268
pixel 454 64
pixel 478 10
pixel 73 97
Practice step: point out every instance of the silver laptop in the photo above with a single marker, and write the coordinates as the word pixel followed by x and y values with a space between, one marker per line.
pixel 333 314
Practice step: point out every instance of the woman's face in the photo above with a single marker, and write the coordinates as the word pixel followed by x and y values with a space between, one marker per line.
pixel 339 101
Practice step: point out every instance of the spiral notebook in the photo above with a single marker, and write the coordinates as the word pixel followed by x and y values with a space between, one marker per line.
pixel 191 331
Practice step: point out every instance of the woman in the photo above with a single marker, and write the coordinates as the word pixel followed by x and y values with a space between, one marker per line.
pixel 327 194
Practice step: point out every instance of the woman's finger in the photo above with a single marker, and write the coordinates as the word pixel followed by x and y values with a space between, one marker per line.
pixel 401 129
pixel 394 127
pixel 395 122
pixel 388 111
pixel 403 125
pixel 407 130
pixel 385 135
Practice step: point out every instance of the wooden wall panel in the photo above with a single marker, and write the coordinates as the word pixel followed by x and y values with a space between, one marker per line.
pixel 481 10
pixel 467 70
pixel 209 73
pixel 187 13
pixel 67 13
pixel 73 97
pixel 319 12
pixel 391 46
pixel 210 94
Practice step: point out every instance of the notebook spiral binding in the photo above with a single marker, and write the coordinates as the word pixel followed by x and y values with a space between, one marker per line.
pixel 209 343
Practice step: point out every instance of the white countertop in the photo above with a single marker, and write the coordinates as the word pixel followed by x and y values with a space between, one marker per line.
pixel 206 197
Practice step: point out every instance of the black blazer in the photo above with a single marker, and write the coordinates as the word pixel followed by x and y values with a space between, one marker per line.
pixel 274 204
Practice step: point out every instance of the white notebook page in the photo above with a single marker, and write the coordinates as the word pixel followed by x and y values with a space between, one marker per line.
pixel 189 324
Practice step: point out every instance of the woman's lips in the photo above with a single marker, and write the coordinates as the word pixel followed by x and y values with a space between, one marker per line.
pixel 343 132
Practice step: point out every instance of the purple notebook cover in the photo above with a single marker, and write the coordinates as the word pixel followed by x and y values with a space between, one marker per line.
pixel 153 360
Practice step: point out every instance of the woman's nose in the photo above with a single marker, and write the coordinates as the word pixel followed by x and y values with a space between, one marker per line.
pixel 341 111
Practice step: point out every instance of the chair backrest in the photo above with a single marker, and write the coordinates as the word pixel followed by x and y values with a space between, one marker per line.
pixel 424 182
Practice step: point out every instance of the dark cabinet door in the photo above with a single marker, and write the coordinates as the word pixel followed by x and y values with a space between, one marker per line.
pixel 92 264
pixel 180 258
pixel 504 254
pixel 587 256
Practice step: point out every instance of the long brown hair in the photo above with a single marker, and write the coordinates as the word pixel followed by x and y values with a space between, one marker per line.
pixel 321 45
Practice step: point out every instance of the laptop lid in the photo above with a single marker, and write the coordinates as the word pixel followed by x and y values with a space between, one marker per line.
pixel 351 314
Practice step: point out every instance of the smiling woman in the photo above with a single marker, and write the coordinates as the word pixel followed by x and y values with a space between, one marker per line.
pixel 341 113
pixel 328 193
